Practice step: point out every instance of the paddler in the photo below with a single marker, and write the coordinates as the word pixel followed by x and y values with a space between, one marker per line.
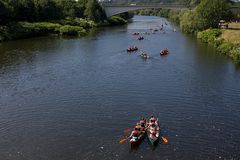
pixel 134 135
pixel 142 122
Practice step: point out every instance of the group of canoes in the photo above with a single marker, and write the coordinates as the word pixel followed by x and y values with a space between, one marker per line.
pixel 145 128
pixel 145 55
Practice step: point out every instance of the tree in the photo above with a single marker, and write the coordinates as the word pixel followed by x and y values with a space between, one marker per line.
pixel 94 11
pixel 47 10
pixel 24 10
pixel 4 13
pixel 191 22
pixel 68 7
pixel 212 11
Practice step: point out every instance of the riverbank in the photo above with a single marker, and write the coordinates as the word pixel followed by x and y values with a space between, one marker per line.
pixel 64 27
pixel 227 41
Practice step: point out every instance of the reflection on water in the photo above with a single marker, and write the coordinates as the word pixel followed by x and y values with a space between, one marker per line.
pixel 73 98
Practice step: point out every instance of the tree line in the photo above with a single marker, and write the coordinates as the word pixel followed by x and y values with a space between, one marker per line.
pixel 46 10
pixel 201 15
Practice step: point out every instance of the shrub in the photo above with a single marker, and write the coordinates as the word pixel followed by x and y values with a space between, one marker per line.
pixel 40 27
pixel 191 22
pixel 209 35
pixel 235 54
pixel 86 24
pixel 72 30
pixel 115 20
pixel 225 48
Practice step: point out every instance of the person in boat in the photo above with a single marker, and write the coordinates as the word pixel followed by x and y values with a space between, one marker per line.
pixel 153 130
pixel 136 33
pixel 142 122
pixel 164 51
pixel 152 120
pixel 134 134
pixel 138 128
pixel 135 48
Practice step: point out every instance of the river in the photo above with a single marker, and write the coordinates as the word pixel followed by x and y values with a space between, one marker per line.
pixel 71 99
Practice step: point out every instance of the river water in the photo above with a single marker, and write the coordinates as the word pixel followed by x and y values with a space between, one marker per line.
pixel 71 99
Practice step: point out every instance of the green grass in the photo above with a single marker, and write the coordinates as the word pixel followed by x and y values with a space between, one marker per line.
pixel 64 27
pixel 232 34
pixel 68 30
pixel 222 41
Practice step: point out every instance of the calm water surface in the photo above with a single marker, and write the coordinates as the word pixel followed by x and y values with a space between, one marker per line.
pixel 71 99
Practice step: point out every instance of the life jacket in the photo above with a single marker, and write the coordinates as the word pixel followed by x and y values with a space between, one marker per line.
pixel 152 119
pixel 134 134
pixel 138 128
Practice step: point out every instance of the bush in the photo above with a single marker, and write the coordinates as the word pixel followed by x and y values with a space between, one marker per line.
pixel 68 30
pixel 190 22
pixel 225 48
pixel 212 11
pixel 40 27
pixel 209 35
pixel 235 54
pixel 115 20
pixel 175 16
pixel 86 24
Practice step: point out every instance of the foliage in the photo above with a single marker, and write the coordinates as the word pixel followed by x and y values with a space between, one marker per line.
pixel 46 10
pixel 191 22
pixel 4 13
pixel 225 48
pixel 72 30
pixel 72 8
pixel 212 11
pixel 116 20
pixel 235 54
pixel 94 11
pixel 86 24
pixel 209 36
pixel 153 12
pixel 175 15
pixel 40 27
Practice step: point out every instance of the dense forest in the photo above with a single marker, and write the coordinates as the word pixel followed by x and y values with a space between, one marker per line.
pixel 29 18
pixel 42 10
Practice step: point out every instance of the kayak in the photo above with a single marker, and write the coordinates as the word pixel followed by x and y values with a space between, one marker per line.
pixel 164 52
pixel 134 141
pixel 153 134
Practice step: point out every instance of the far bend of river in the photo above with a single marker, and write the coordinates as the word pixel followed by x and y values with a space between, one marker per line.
pixel 71 99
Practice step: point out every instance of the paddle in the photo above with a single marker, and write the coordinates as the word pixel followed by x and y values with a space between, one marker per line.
pixel 165 140
pixel 127 130
pixel 123 140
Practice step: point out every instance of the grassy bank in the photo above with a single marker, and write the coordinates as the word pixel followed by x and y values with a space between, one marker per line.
pixel 64 27
pixel 225 40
